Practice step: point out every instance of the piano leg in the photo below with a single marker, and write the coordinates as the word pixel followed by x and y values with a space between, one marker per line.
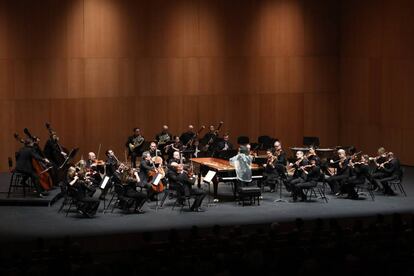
pixel 215 187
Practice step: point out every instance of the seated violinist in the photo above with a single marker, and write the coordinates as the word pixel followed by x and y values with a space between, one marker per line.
pixel 175 158
pixel 129 181
pixel 342 173
pixel 91 160
pixel 79 189
pixel 391 170
pixel 299 175
pixel 270 174
pixel 183 184
pixel 312 174
pixel 359 173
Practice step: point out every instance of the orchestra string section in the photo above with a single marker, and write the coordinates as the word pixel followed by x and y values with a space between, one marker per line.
pixel 175 168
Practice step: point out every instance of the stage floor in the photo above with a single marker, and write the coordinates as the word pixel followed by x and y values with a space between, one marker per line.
pixel 23 222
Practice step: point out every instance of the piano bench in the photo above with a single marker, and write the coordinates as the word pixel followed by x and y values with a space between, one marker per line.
pixel 250 195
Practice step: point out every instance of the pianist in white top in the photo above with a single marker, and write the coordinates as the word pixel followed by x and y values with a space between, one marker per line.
pixel 242 162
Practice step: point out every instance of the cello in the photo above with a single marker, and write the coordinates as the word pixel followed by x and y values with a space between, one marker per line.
pixel 152 174
pixel 41 169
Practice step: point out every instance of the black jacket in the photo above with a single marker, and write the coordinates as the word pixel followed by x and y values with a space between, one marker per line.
pixel 24 159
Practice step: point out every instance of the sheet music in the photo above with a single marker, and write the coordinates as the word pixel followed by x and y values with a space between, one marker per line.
pixel 157 179
pixel 104 182
pixel 209 176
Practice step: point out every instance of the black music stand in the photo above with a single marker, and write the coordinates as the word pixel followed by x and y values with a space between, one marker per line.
pixel 208 180
pixel 69 157
pixel 311 141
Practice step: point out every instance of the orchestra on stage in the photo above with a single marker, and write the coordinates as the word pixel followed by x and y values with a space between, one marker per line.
pixel 177 167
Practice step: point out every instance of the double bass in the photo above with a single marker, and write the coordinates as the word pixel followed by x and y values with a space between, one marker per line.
pixel 40 168
pixel 152 174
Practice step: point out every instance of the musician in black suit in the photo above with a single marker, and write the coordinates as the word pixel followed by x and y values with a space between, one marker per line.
pixel 24 165
pixel 224 144
pixel 342 172
pixel 281 158
pixel 173 147
pixel 360 172
pixel 270 174
pixel 391 169
pixel 209 139
pixel 312 155
pixel 128 181
pixel 145 167
pixel 53 151
pixel 312 173
pixel 78 187
pixel 180 182
pixel 299 175
pixel 188 135
pixel 163 138
pixel 154 151
pixel 175 158
pixel 134 145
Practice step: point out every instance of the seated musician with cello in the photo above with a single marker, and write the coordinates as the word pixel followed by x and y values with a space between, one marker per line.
pixel 24 165
pixel 150 167
pixel 180 181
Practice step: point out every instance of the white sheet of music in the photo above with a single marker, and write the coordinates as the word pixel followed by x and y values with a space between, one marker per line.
pixel 157 179
pixel 209 176
pixel 104 182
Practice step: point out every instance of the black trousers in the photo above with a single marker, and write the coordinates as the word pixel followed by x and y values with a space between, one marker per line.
pixel 199 196
pixel 34 178
pixel 377 175
pixel 384 183
pixel 139 198
pixel 134 155
pixel 336 181
pixel 298 188
pixel 293 181
pixel 269 179
pixel 88 205
pixel 349 186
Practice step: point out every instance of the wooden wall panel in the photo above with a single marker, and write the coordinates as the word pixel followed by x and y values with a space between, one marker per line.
pixel 97 68
pixel 376 75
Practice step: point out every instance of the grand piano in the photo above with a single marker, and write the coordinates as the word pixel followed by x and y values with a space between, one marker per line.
pixel 224 171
